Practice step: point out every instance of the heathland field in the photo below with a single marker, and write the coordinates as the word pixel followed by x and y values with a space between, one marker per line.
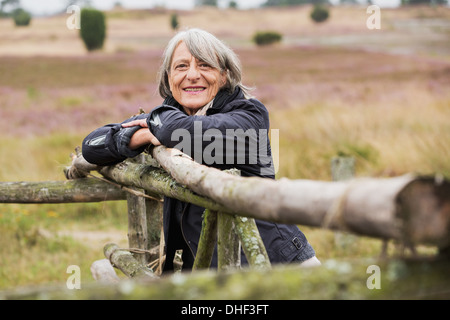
pixel 381 96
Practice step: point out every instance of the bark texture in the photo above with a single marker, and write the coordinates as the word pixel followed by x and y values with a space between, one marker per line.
pixel 81 190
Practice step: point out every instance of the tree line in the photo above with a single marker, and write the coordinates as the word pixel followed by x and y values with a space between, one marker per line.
pixel 281 3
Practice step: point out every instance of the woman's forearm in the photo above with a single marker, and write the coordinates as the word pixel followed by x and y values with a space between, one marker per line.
pixel 142 137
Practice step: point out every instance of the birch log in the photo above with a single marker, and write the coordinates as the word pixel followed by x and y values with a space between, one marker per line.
pixel 124 260
pixel 156 182
pixel 81 190
pixel 207 241
pixel 228 244
pixel 408 208
pixel 251 242
pixel 137 226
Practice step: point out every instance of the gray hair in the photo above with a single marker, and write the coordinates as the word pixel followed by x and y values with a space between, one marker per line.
pixel 207 48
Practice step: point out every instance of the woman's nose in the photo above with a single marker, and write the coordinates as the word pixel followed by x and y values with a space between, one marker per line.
pixel 193 73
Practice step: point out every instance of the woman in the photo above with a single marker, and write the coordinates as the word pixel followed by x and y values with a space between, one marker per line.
pixel 200 81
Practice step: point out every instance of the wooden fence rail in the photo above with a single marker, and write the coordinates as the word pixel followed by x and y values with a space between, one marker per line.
pixel 71 191
pixel 409 208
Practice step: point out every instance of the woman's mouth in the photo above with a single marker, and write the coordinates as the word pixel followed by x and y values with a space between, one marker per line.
pixel 194 89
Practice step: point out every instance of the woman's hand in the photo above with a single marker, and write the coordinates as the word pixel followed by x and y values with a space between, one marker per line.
pixel 143 136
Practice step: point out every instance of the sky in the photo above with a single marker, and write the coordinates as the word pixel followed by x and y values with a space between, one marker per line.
pixel 43 7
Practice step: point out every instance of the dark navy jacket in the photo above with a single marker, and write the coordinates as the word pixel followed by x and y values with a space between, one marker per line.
pixel 233 134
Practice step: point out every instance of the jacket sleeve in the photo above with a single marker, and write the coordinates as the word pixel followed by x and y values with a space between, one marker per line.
pixel 237 137
pixel 167 123
pixel 108 145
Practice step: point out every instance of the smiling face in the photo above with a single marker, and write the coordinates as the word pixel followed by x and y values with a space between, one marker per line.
pixel 193 83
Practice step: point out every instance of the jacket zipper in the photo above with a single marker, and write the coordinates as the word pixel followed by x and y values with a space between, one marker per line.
pixel 182 231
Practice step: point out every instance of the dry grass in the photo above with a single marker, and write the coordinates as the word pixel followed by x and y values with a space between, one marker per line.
pixel 333 88
pixel 388 111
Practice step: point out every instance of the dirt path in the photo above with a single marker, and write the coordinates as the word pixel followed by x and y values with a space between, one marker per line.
pixel 96 239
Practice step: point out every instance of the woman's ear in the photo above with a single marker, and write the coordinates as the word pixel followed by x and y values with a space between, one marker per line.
pixel 224 77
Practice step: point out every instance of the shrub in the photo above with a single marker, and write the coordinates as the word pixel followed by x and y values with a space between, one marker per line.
pixel 263 38
pixel 21 17
pixel 174 21
pixel 92 28
pixel 319 13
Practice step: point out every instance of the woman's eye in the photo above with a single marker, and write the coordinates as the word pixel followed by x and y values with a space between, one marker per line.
pixel 181 66
pixel 204 66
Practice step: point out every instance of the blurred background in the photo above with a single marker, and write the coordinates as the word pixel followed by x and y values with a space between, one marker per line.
pixel 333 85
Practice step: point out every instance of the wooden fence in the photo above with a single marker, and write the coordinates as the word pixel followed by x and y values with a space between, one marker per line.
pixel 411 209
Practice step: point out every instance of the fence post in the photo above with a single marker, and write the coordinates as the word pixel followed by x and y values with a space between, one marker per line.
pixel 207 241
pixel 343 168
pixel 228 244
pixel 137 226
pixel 251 241
pixel 144 221
pixel 154 214
pixel 232 231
